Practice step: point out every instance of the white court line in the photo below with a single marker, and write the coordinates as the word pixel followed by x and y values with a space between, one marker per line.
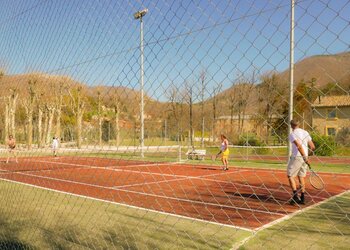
pixel 143 165
pixel 178 177
pixel 148 194
pixel 182 177
pixel 286 217
pixel 247 169
pixel 130 206
pixel 181 164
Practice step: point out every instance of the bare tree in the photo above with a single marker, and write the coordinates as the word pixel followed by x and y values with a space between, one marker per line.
pixel 232 105
pixel 45 123
pixel 188 97
pixel 247 92
pixel 216 91
pixel 116 117
pixel 40 126
pixel 271 95
pixel 12 111
pixel 58 107
pixel 244 90
pixel 202 79
pixel 29 107
pixel 7 117
pixel 173 96
pixel 50 109
pixel 78 108
pixel 99 118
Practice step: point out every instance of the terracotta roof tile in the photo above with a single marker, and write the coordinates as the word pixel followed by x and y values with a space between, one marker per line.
pixel 332 101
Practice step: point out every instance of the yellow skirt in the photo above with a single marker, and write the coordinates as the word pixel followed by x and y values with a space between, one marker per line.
pixel 225 154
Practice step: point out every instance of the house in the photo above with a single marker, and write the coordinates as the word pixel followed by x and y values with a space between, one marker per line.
pixel 330 114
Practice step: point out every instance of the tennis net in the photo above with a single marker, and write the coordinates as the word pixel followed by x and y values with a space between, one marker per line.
pixel 89 158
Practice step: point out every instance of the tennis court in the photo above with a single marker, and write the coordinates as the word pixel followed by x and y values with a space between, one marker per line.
pixel 241 197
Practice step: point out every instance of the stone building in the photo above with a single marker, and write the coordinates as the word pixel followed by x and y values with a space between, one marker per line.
pixel 330 114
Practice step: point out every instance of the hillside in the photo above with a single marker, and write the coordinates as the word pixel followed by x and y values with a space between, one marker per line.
pixel 47 89
pixel 324 69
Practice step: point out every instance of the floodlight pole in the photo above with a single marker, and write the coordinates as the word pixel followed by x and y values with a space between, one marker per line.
pixel 139 15
pixel 291 76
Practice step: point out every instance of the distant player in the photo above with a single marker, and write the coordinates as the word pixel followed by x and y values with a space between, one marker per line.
pixel 297 165
pixel 11 143
pixel 224 151
pixel 55 145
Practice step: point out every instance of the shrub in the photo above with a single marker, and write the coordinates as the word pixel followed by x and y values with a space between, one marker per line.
pixel 249 140
pixel 325 145
pixel 252 140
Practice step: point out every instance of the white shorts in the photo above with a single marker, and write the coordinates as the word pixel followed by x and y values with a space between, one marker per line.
pixel 296 167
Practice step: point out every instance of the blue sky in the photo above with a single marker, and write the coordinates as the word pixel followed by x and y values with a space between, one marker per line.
pixel 97 41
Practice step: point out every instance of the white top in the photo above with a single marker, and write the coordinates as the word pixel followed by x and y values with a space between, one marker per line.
pixel 55 143
pixel 224 145
pixel 303 137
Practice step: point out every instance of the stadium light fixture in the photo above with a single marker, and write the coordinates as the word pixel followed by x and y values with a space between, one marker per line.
pixel 140 14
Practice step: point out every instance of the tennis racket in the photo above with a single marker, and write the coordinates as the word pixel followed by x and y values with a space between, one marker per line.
pixel 214 157
pixel 315 180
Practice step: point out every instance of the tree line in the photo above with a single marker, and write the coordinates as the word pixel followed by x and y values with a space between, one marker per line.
pixel 42 107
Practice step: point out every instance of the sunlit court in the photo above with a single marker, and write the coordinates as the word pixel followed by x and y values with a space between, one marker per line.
pixel 240 197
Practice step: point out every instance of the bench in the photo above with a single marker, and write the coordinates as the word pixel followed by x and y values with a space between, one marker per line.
pixel 197 154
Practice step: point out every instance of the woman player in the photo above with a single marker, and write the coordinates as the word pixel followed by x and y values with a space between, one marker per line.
pixel 224 151
pixel 11 143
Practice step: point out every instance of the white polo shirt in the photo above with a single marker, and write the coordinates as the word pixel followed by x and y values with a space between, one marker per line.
pixel 301 136
pixel 54 144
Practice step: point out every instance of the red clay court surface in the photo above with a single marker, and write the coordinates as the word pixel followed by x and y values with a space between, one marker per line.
pixel 241 197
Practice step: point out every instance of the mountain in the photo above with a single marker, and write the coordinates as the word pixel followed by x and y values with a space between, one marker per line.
pixel 324 68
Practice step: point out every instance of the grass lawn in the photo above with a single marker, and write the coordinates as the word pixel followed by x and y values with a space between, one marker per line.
pixel 35 218
pixel 323 227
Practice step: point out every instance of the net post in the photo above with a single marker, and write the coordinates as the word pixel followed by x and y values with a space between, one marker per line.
pixel 179 153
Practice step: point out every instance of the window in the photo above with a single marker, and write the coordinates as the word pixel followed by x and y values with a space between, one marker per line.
pixel 331 131
pixel 332 114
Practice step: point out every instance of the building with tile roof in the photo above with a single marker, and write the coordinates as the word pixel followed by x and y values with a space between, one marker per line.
pixel 331 114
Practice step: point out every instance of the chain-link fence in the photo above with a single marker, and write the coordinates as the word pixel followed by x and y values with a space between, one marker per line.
pixel 166 124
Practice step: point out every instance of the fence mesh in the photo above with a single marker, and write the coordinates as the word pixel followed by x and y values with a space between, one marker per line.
pixel 112 116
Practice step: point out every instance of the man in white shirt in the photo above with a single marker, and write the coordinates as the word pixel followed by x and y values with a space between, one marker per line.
pixel 297 166
pixel 55 146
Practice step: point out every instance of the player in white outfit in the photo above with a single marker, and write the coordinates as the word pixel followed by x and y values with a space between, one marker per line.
pixel 55 145
pixel 297 165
